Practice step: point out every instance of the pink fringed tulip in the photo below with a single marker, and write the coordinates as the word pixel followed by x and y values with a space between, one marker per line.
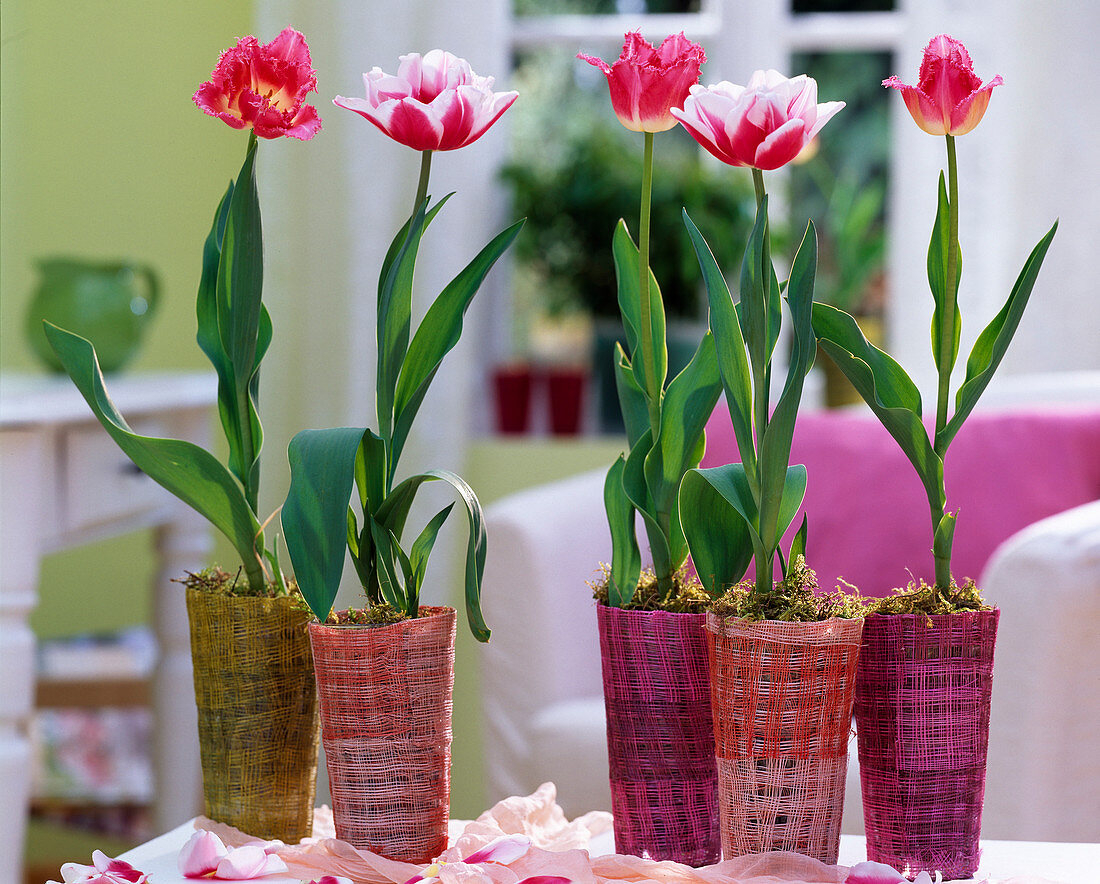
pixel 765 124
pixel 434 102
pixel 949 98
pixel 264 87
pixel 646 83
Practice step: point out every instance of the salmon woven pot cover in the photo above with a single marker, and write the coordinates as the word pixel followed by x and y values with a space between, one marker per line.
pixel 922 715
pixel 386 701
pixel 660 743
pixel 782 697
pixel 257 705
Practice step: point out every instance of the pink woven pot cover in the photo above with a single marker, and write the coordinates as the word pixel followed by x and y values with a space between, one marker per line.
pixel 782 698
pixel 659 739
pixel 386 700
pixel 922 714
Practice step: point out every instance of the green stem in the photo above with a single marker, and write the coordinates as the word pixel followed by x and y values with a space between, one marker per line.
pixel 645 319
pixel 422 184
pixel 946 355
pixel 761 382
pixel 946 359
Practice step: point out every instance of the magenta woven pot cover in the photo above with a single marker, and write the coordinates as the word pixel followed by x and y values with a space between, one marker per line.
pixel 659 740
pixel 922 713
pixel 782 695
pixel 386 701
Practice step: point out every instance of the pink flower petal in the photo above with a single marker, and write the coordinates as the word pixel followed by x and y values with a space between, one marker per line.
pixel 248 862
pixel 874 873
pixel 200 855
pixel 504 850
pixel 332 879
pixel 546 879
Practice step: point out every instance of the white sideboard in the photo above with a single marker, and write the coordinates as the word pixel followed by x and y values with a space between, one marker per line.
pixel 64 482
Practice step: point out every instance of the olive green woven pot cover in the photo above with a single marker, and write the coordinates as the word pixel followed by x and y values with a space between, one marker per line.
pixel 257 704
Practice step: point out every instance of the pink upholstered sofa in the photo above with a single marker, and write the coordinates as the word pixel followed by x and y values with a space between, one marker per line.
pixel 1022 480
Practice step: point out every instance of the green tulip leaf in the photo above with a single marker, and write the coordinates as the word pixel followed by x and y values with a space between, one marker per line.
pixel 937 282
pixel 315 513
pixel 730 347
pixel 688 404
pixel 422 548
pixel 717 534
pixel 775 448
pixel 627 259
pixel 395 510
pixel 394 315
pixel 626 558
pixel 886 388
pixel 437 335
pixel 992 343
pixel 193 475
pixel 637 491
pixel 632 399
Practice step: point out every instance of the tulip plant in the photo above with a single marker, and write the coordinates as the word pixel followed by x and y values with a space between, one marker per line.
pixel 737 513
pixel 435 102
pixel 948 100
pixel 262 89
pixel 664 423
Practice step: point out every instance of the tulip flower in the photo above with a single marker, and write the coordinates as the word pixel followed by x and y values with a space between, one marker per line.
pixel 434 102
pixel 765 124
pixel 263 88
pixel 646 83
pixel 949 98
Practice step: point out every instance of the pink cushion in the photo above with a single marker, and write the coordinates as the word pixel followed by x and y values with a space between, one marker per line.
pixel 868 515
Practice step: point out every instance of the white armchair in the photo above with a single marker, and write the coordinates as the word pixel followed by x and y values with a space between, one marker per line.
pixel 543 712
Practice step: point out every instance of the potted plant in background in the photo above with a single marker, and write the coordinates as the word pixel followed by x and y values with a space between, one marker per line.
pixel 253 671
pixel 653 654
pixel 571 194
pixel 783 660
pixel 385 673
pixel 925 675
pixel 841 183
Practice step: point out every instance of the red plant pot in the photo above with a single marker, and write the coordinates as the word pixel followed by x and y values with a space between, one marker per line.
pixel 659 739
pixel 512 386
pixel 386 700
pixel 922 714
pixel 566 388
pixel 782 699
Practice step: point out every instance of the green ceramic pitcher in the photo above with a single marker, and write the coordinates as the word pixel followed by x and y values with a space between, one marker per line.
pixel 109 303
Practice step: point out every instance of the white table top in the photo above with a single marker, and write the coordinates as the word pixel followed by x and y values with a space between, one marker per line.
pixel 1056 862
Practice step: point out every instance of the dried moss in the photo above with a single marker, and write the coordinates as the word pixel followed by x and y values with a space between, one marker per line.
pixel 687 595
pixel 221 582
pixel 381 614
pixel 794 599
pixel 920 598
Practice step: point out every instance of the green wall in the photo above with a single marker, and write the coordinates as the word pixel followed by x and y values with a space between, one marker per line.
pixel 103 155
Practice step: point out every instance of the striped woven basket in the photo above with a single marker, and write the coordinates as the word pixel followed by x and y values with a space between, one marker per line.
pixel 664 792
pixel 922 713
pixel 386 700
pixel 782 698
pixel 257 712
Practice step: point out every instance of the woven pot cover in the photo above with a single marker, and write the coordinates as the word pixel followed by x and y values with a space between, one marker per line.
pixel 782 698
pixel 659 739
pixel 257 705
pixel 386 699
pixel 922 713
